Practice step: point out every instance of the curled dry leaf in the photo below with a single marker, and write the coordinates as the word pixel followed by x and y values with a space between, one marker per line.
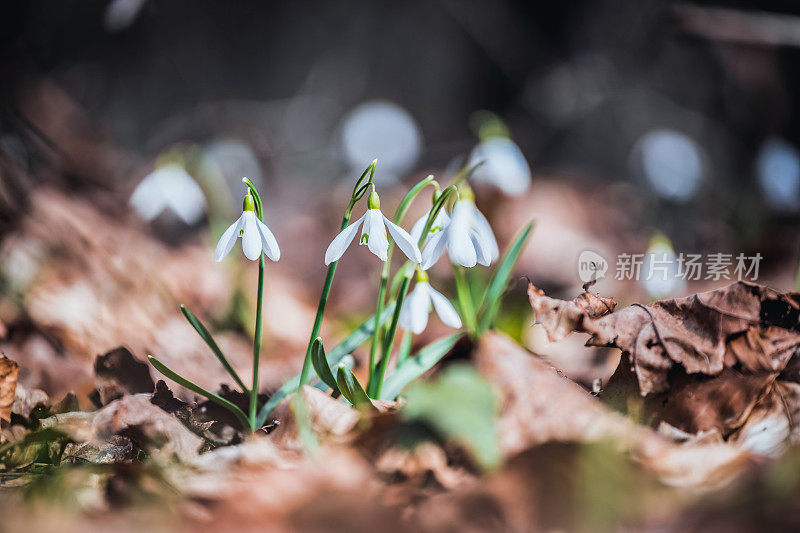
pixel 741 324
pixel 706 362
pixel 560 317
pixel 9 372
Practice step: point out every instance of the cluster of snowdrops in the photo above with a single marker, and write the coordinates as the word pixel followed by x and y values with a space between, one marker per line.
pixel 453 223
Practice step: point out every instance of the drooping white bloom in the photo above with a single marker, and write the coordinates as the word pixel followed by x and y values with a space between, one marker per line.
pixel 417 306
pixel 504 165
pixel 373 234
pixel 256 236
pixel 169 187
pixel 468 238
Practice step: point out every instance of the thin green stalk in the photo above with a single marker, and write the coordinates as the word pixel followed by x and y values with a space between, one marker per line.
pixel 373 349
pixel 401 295
pixel 257 343
pixel 402 208
pixel 359 190
pixel 259 303
pixel 387 345
pixel 323 301
pixel 465 300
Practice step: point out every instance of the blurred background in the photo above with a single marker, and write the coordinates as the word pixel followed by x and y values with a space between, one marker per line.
pixel 126 126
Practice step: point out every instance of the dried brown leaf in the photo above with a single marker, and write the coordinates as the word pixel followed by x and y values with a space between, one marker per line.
pixel 9 372
pixel 560 318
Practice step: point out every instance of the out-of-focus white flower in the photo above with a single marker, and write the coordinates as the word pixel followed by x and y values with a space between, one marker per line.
pixel 256 236
pixel 373 235
pixel 382 128
pixel 169 187
pixel 417 306
pixel 660 269
pixel 468 238
pixel 504 165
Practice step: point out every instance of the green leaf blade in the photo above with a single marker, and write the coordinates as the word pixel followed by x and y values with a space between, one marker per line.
pixel 180 380
pixel 351 389
pixel 209 340
pixel 497 287
pixel 320 363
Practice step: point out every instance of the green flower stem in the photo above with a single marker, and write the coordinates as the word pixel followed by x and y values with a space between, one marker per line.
pixel 401 295
pixel 465 300
pixel 387 345
pixel 359 190
pixel 398 218
pixel 323 302
pixel 257 343
pixel 373 349
pixel 259 304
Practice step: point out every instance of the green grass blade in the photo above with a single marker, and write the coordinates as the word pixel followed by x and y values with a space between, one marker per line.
pixel 334 357
pixel 209 340
pixel 161 367
pixel 414 367
pixel 320 362
pixel 352 389
pixel 497 287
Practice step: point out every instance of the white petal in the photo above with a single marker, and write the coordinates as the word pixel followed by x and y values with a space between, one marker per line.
pixel 404 241
pixel 434 247
pixel 342 241
pixel 419 302
pixel 419 225
pixel 483 255
pixel 405 318
pixel 459 243
pixel 485 235
pixel 251 238
pixel 378 242
pixel 268 241
pixel 444 308
pixel 228 239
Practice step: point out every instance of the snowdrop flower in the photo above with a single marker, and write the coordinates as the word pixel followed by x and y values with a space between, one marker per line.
pixel 169 186
pixel 373 235
pixel 468 238
pixel 417 306
pixel 256 236
pixel 504 165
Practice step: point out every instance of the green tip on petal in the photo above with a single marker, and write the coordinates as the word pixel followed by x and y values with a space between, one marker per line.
pixel 374 201
pixel 248 204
